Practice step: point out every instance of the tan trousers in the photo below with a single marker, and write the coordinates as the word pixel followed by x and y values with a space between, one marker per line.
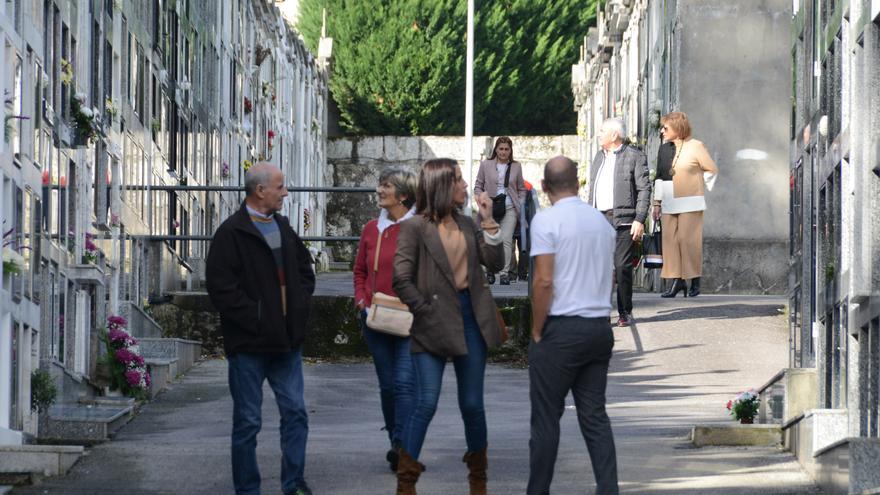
pixel 682 245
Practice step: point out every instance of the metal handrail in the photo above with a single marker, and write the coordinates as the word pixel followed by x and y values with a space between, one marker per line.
pixel 154 237
pixel 204 238
pixel 184 188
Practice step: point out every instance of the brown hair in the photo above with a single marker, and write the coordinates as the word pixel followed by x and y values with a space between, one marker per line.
pixel 679 122
pixel 502 140
pixel 434 198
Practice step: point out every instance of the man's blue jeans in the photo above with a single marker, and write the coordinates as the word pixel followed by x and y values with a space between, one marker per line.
pixel 247 371
pixel 394 368
pixel 470 371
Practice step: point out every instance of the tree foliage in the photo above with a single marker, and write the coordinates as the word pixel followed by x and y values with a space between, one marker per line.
pixel 399 65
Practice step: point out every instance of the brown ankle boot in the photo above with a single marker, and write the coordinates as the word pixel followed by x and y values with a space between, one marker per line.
pixel 408 471
pixel 477 464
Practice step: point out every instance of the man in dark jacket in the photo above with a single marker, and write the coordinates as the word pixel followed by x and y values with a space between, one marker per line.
pixel 260 279
pixel 620 188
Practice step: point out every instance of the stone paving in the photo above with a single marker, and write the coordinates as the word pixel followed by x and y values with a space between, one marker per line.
pixel 676 368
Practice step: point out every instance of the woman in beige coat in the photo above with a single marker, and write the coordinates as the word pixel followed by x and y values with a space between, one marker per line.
pixel 680 203
pixel 491 179
pixel 437 274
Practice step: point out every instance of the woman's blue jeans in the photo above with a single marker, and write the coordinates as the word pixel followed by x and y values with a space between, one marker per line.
pixel 394 368
pixel 470 371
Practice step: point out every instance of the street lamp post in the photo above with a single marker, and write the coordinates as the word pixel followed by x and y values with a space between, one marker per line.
pixel 469 97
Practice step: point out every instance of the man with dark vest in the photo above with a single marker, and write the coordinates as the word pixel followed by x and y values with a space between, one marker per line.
pixel 260 279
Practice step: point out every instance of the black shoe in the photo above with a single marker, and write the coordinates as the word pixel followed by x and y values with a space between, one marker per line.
pixel 393 456
pixel 512 277
pixel 676 287
pixel 505 280
pixel 695 287
pixel 524 277
pixel 490 277
pixel 624 320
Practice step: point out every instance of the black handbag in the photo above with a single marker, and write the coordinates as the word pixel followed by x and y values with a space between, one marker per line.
pixel 652 249
pixel 499 203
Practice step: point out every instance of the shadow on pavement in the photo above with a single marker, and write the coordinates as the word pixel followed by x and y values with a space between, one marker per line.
pixel 717 312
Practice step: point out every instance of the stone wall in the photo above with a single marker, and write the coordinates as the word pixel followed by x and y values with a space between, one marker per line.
pixel 334 330
pixel 358 162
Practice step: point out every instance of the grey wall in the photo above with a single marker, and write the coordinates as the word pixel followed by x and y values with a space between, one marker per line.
pixel 734 81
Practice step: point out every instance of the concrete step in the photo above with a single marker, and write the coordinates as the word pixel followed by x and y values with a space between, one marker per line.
pixel 28 461
pixel 110 401
pixel 187 352
pixel 736 434
pixel 84 424
pixel 162 372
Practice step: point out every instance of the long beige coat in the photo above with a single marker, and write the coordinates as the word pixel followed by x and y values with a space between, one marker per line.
pixel 424 281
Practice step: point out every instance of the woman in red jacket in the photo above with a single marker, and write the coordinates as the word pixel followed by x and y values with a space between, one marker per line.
pixel 391 354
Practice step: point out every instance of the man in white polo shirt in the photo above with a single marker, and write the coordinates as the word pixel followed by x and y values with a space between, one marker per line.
pixel 573 250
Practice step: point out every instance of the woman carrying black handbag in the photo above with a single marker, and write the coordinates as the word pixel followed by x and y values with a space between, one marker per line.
pixel 501 177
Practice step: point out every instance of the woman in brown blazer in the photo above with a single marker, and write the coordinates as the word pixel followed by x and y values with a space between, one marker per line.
pixel 680 203
pixel 490 179
pixel 437 274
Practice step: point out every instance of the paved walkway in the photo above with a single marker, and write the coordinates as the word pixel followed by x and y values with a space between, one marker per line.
pixel 677 368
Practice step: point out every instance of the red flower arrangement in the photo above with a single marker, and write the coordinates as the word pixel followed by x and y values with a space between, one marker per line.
pixel 248 106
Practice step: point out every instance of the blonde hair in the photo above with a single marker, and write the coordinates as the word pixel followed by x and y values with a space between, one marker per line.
pixel 679 122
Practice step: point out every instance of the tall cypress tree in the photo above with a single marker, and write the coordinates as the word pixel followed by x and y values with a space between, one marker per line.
pixel 399 64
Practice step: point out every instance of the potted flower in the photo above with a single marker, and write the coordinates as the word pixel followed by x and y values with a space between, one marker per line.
pixel 110 109
pixel 13 262
pixel 744 407
pixel 90 250
pixel 84 123
pixel 271 136
pixel 224 170
pixel 128 371
pixel 248 106
pixel 43 391
pixel 246 165
pixel 66 72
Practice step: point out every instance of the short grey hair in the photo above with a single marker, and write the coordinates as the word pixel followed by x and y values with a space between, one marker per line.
pixel 256 176
pixel 404 181
pixel 616 125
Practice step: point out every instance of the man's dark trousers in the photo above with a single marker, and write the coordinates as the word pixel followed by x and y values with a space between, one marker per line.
pixel 623 268
pixel 573 354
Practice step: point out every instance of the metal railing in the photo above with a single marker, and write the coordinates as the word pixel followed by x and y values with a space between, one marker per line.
pixel 207 238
